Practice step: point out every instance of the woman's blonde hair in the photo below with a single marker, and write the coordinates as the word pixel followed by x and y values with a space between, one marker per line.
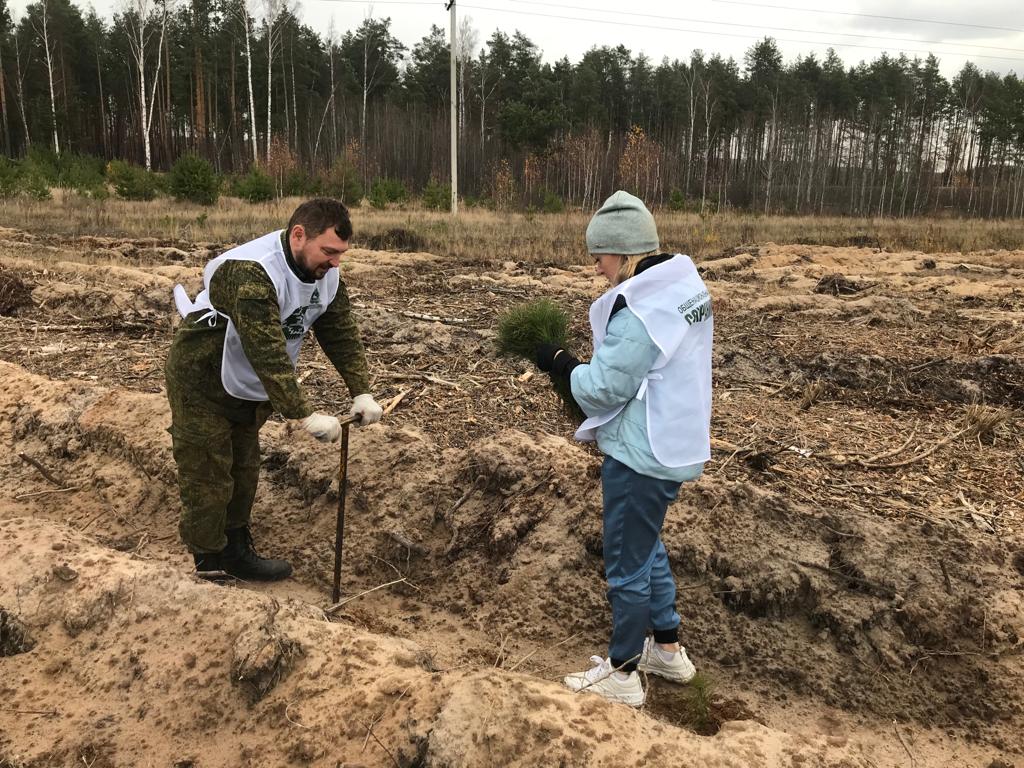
pixel 629 264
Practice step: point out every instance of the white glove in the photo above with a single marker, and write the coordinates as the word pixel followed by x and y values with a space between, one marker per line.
pixel 322 427
pixel 367 409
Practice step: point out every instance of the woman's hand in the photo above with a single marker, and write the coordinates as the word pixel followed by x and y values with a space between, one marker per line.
pixel 545 355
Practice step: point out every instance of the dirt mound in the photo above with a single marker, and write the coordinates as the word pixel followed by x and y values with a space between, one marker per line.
pixel 928 620
pixel 397 239
pixel 992 379
pixel 178 672
pixel 523 509
pixel 14 294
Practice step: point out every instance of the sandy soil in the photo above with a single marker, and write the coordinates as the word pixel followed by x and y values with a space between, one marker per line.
pixel 851 566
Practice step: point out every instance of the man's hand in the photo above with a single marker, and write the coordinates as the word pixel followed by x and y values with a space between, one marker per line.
pixel 367 409
pixel 322 427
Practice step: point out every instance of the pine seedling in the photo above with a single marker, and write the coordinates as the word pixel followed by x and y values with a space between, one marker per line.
pixel 522 329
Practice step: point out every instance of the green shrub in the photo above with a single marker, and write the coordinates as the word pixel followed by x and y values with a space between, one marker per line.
pixel 131 182
pixel 35 185
pixel 342 182
pixel 523 328
pixel 298 183
pixel 255 186
pixel 193 179
pixel 95 192
pixel 386 191
pixel 44 164
pixel 10 178
pixel 676 200
pixel 437 197
pixel 552 203
pixel 80 172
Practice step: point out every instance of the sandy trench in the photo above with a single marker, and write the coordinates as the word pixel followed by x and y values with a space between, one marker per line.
pixel 848 612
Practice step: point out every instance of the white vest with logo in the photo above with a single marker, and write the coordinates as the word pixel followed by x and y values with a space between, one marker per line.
pixel 674 305
pixel 301 304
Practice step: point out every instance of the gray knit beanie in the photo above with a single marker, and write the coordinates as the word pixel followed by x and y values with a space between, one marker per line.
pixel 622 226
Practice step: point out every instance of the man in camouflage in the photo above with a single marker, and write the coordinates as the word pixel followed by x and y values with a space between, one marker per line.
pixel 232 364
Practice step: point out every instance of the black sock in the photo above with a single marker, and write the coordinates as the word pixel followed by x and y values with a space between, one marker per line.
pixel 622 665
pixel 666 636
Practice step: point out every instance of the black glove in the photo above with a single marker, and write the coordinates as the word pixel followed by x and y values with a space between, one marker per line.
pixel 555 361
pixel 563 365
pixel 545 354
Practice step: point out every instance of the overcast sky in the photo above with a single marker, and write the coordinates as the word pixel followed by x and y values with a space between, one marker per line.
pixel 988 32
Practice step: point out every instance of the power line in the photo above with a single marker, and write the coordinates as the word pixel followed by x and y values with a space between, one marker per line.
pixel 869 15
pixel 728 34
pixel 762 26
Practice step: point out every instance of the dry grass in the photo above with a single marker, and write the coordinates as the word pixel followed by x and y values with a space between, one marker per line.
pixel 481 235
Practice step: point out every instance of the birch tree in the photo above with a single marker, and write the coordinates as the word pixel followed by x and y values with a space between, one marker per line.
pixel 41 25
pixel 143 20
pixel 272 10
pixel 465 46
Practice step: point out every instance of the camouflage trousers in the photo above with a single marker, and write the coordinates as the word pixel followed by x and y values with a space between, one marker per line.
pixel 218 458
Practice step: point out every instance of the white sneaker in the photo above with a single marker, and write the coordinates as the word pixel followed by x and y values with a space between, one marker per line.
pixel 676 667
pixel 602 681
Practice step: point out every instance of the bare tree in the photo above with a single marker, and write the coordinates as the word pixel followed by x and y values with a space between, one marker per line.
pixel 142 20
pixel 332 45
pixel 20 91
pixel 42 29
pixel 248 79
pixel 465 48
pixel 484 94
pixel 3 95
pixel 272 10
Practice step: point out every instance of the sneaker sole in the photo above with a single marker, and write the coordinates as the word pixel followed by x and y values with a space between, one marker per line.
pixel 630 701
pixel 664 675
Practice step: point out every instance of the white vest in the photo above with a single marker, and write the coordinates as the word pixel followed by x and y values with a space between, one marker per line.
pixel 301 304
pixel 673 303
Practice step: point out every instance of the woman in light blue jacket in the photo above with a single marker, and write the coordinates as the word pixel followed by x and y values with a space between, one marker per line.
pixel 647 395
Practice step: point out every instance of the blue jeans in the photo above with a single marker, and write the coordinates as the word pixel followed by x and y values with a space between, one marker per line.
pixel 641 589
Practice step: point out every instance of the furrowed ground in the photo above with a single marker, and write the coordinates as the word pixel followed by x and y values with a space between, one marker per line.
pixel 850 565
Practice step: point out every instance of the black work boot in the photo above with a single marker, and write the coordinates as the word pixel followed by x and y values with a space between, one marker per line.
pixel 210 565
pixel 241 561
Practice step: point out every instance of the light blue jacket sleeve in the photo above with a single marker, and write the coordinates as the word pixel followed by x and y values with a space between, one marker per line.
pixel 616 372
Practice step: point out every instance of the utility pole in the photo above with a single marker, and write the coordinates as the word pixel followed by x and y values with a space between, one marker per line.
pixel 452 97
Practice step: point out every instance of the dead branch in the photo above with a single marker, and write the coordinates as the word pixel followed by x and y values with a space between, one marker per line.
pixel 42 470
pixel 402 540
pixel 896 727
pixel 395 401
pixel 23 496
pixel 515 666
pixel 331 609
pixel 420 377
pixel 887 592
pixel 369 729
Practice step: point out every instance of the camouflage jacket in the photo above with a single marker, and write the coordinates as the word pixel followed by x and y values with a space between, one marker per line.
pixel 243 291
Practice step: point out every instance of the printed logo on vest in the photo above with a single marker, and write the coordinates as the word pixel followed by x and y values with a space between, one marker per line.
pixel 294 326
pixel 699 314
pixel 696 309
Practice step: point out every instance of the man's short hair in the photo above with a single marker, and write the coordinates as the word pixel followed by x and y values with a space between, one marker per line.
pixel 318 214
